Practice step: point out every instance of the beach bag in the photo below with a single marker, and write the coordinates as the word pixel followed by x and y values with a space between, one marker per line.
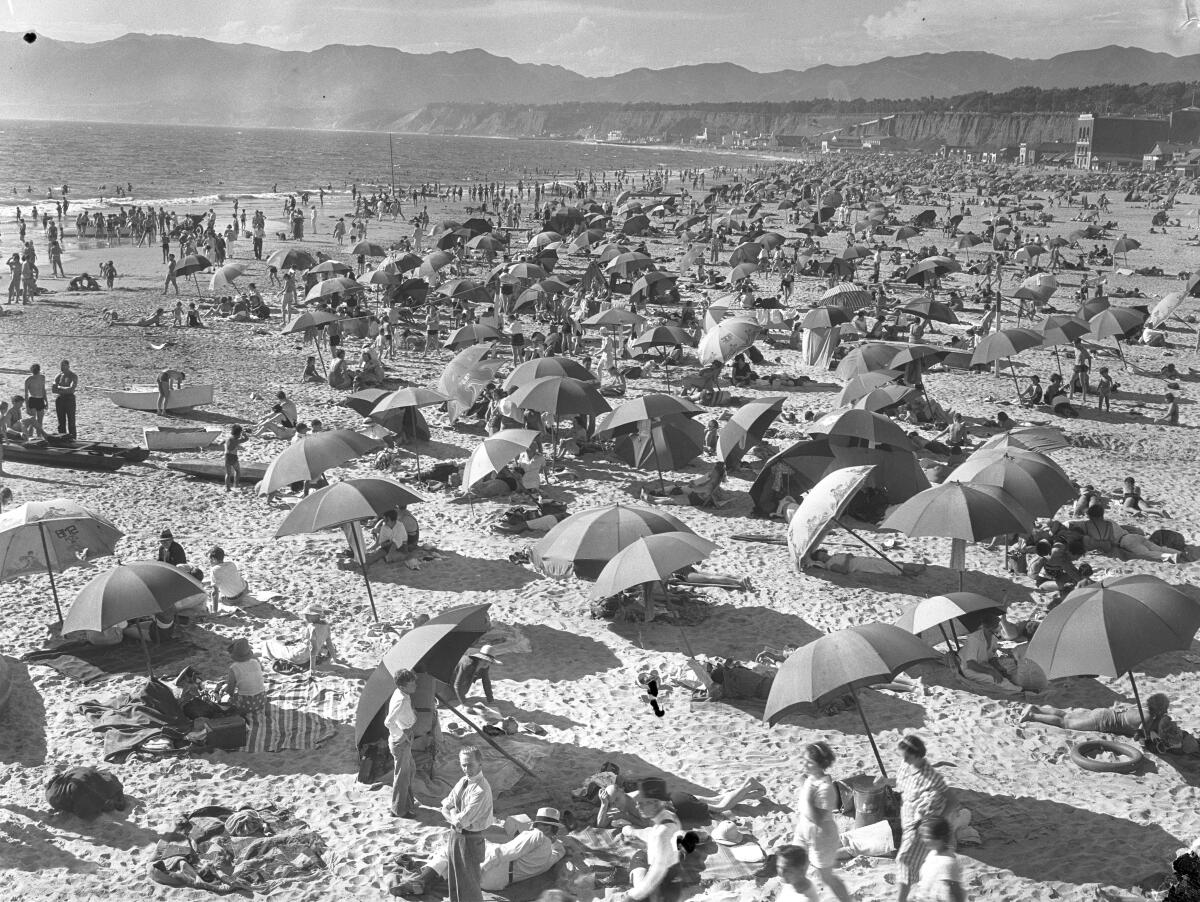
pixel 229 731
pixel 85 792
pixel 1168 538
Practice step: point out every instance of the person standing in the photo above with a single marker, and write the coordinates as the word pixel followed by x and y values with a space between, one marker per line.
pixel 400 720
pixel 168 380
pixel 289 294
pixel 170 283
pixel 816 829
pixel 468 810
pixel 35 398
pixel 923 794
pixel 314 220
pixel 64 387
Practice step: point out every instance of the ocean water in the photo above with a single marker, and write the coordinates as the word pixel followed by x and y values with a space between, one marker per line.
pixel 174 164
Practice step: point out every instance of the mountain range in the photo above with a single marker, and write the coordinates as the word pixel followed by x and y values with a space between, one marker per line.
pixel 171 79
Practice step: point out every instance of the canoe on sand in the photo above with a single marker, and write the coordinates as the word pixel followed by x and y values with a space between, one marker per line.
pixel 215 470
pixel 145 397
pixel 181 438
pixel 76 455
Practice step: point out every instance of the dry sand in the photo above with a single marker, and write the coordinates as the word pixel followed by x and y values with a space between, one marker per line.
pixel 1049 829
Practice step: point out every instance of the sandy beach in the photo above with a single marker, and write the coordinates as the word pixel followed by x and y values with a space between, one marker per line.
pixel 1049 830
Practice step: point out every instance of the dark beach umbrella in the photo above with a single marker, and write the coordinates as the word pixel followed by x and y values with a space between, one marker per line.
pixel 292 258
pixel 591 538
pixel 746 428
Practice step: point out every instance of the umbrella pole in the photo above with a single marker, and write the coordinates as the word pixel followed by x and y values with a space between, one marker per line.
pixel 1016 381
pixel 320 356
pixel 870 735
pixel 50 572
pixel 362 556
pixel 869 545
pixel 950 644
pixel 1120 353
pixel 1137 698
pixel 488 738
pixel 654 445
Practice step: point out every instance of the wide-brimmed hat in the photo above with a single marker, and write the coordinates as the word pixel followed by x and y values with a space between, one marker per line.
pixel 549 816
pixel 239 650
pixel 485 653
pixel 316 611
pixel 727 833
pixel 166 534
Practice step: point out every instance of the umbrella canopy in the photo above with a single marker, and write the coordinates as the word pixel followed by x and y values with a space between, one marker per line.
pixel 309 319
pixel 129 592
pixel 952 614
pixel 935 311
pixel 380 278
pixel 672 442
pixel 747 427
pixel 1005 343
pixel 627 263
pixel 664 337
pixel 435 647
pixel 825 318
pixel 847 296
pixel 614 316
pixel 486 243
pixel 1034 480
pixel 561 396
pixel 1040 286
pixel 1126 244
pixel 592 538
pixel 823 504
pixel 742 271
pixel 465 376
pixel 1166 308
pixel 402 264
pixel 542 367
pixel 293 258
pixel 465 290
pixel 878 400
pixel 496 452
pixel 1042 439
pixel 845 661
pixel 362 402
pixel 647 408
pixel 473 334
pixel 960 511
pixel 862 385
pixel 344 502
pixel 871 428
pixel 331 287
pixel 308 458
pixel 1110 628
pixel 1115 322
pixel 749 252
pixel 652 281
pixel 931 267
pixel 224 277
pixel 192 264
pixel 727 339
pixel 332 268
pixel 924 354
pixel 1060 329
pixel 650 559
pixel 369 249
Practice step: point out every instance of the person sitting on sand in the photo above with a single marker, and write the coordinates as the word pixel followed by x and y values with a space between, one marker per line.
pixel 83 282
pixel 228 586
pixel 743 374
pixel 529 854
pixel 391 539
pixel 1119 720
pixel 340 376
pixel 317 647
pixel 615 386
pixel 244 679
pixel 193 317
pixel 981 660
pixel 370 369
pixel 310 373
pixel 281 423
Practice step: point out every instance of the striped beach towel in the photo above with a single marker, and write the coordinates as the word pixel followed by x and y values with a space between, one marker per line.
pixel 298 715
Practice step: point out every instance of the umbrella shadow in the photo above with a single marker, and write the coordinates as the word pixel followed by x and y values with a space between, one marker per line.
pixel 729 632
pixel 109 830
pixel 23 741
pixel 1188 768
pixel 535 716
pixel 434 449
pixel 1172 663
pixel 45 480
pixel 268 611
pixel 1104 849
pixel 457 573
pixel 34 849
pixel 884 711
pixel 557 655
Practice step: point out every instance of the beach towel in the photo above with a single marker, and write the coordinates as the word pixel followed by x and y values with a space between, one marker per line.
pixel 298 715
pixel 595 848
pixel 85 663
pixel 148 721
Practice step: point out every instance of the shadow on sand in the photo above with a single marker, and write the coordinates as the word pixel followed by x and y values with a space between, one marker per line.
pixel 23 739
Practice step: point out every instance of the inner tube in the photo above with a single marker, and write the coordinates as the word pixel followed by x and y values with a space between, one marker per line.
pixel 1130 756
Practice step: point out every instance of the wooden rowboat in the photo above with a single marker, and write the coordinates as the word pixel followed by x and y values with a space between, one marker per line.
pixel 145 397
pixel 215 470
pixel 64 452
pixel 181 438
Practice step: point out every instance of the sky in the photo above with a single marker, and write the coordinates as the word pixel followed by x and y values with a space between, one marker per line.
pixel 603 37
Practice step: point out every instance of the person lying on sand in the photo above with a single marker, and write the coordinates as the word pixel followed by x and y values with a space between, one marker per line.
pixel 83 282
pixel 1161 732
pixel 154 319
pixel 1102 535
pixel 638 808
pixel 703 492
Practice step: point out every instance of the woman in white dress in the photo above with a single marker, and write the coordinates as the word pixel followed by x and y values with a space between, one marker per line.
pixel 816 829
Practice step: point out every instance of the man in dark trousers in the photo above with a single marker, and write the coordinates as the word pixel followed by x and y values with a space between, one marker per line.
pixel 468 811
pixel 170 551
pixel 64 387
pixel 473 666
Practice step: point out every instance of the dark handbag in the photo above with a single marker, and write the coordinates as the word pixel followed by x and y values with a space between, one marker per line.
pixel 85 791
pixel 229 731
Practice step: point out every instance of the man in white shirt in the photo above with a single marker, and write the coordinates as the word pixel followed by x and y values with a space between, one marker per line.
pixel 468 810
pixel 527 855
pixel 228 586
pixel 400 720
pixel 666 845
pixel 390 539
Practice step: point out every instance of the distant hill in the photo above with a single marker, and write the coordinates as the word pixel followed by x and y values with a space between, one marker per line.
pixel 163 78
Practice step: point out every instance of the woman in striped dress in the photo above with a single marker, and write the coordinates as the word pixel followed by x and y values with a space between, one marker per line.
pixel 923 793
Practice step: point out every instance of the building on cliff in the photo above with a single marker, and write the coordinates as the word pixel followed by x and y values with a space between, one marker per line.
pixel 1106 141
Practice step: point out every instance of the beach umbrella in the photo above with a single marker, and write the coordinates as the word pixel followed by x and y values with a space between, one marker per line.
pixel 192 264
pixel 646 409
pixel 406 262
pixel 591 538
pixel 495 452
pixel 822 505
pixel 611 251
pixel 651 281
pixel 650 559
pixel 369 249
pixel 727 339
pixel 962 512
pixel 53 536
pixel 1115 322
pixel 1040 286
pixel 855 252
pixel 880 399
pixel 363 401
pixel 394 406
pixel 478 226
pixel 862 385
pixel 1039 484
pixel 1092 306
pixel 465 376
pixel 1109 628
pixel 435 261
pixel 931 267
pixel 446 225
pixel 1124 245
pixel 863 425
pixel 1166 308
pixel 1029 253
pixel 547 366
pixel 292 258
pixel 846 661
pixel 1042 439
pixel 435 648
pixel 644 413
pixel 749 252
pixel 742 271
pixel 448 241
pixel 1005 344
pixel 953 614
pixel 872 357
pixel 465 290
pixel 922 354
pixel 626 263
pixel 825 318
pixel 488 244
pixel 312 455
pixel 561 396
pixel 473 334
pixel 934 311
pixel 746 428
pixel 309 319
pixel 1061 329
pixel 672 442
pixel 585 240
pixel 132 591
pixel 223 278
pixel 613 317
pixel 331 288
pixel 332 268
pixel 968 241
pixel 380 278
pixel 635 224
pixel 664 337
pixel 541 239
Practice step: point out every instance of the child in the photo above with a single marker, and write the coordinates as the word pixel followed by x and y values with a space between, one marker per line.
pixel 1131 495
pixel 177 314
pixel 710 436
pixel 310 373
pixel 233 467
pixel 1171 417
pixel 244 682
pixel 791 865
pixel 109 272
pixel 941 872
pixel 1104 388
